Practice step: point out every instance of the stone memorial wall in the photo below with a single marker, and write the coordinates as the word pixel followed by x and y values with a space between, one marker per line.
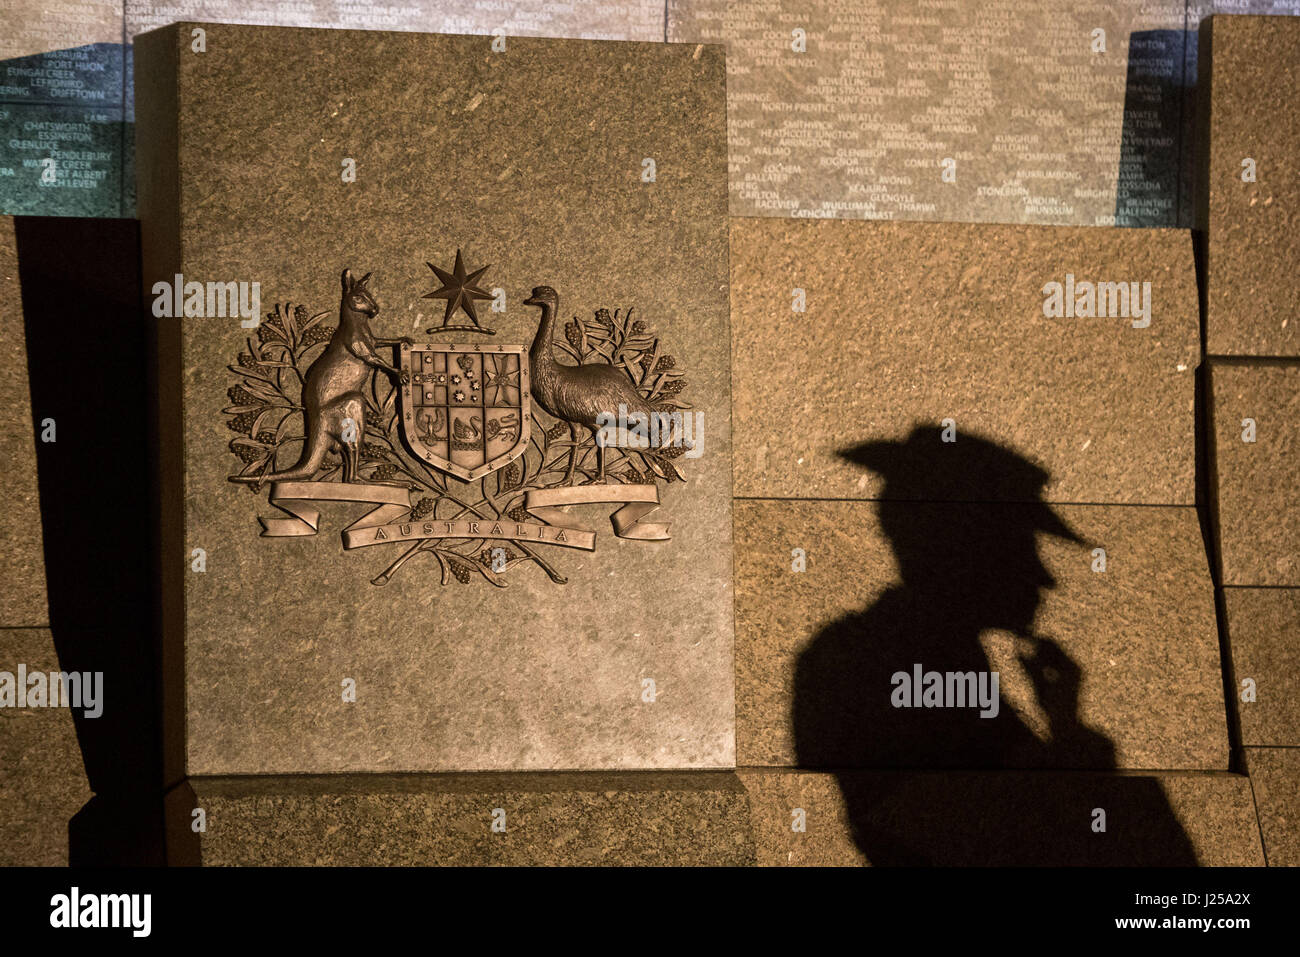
pixel 972 512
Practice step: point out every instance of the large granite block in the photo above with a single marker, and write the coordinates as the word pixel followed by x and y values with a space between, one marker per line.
pixel 643 819
pixel 606 20
pixel 1275 779
pixel 908 324
pixel 22 560
pixel 530 163
pixel 989 819
pixel 1097 669
pixel 1263 627
pixel 1249 196
pixel 1255 461
pixel 42 778
pixel 996 111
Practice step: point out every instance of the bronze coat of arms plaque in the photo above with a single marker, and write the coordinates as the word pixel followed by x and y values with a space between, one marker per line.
pixel 457 494
pixel 462 410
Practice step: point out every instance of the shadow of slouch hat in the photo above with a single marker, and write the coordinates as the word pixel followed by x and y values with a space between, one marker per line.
pixel 924 468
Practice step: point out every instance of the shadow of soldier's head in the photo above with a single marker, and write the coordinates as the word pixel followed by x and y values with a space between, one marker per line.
pixel 962 519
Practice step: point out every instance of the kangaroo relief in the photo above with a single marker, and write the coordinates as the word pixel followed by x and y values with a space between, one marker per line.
pixel 334 408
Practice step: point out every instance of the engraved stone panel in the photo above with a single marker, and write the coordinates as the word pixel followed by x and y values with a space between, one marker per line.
pixel 61 160
pixel 61 95
pixel 61 51
pixel 603 20
pixel 1255 437
pixel 1040 124
pixel 1113 668
pixel 908 324
pixel 529 165
pixel 1251 177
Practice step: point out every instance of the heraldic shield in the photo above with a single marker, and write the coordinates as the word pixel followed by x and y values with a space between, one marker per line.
pixel 465 408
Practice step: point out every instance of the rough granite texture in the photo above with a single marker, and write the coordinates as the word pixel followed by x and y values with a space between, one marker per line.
pixel 528 160
pixel 1250 88
pixel 1263 626
pixel 639 819
pixel 715 819
pixel 42 777
pixel 1142 634
pixel 1275 779
pixel 1257 498
pixel 912 323
pixel 22 560
pixel 1005 818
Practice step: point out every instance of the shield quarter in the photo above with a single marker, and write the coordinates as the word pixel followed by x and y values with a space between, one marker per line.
pixel 465 408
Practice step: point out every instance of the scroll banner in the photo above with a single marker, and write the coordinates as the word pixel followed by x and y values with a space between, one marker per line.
pixel 638 501
pixel 391 521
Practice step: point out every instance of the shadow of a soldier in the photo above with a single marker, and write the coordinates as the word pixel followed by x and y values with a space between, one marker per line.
pixel 907 685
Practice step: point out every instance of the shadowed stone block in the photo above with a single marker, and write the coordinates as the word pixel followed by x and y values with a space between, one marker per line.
pixel 1123 670
pixel 531 163
pixel 995 111
pixel 650 819
pixel 781 801
pixel 1275 779
pixel 1250 183
pixel 1004 818
pixel 1255 437
pixel 42 778
pixel 913 323
pixel 82 274
pixel 22 561
pixel 1264 635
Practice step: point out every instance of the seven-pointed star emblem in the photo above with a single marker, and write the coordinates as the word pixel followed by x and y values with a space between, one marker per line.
pixel 459 289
